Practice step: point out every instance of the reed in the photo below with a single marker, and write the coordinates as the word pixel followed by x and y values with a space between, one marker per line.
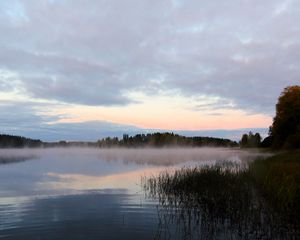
pixel 278 179
pixel 229 201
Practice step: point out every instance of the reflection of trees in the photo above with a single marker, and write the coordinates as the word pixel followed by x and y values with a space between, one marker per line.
pixel 172 156
pixel 214 203
pixel 15 159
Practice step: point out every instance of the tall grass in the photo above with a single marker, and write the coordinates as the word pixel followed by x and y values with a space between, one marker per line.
pixel 226 201
pixel 278 180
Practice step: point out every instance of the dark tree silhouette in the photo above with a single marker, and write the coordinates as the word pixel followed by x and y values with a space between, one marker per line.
pixel 9 141
pixel 139 140
pixel 164 140
pixel 244 140
pixel 250 140
pixel 257 139
pixel 285 130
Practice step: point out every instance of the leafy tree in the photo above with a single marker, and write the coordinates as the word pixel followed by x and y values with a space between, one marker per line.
pixel 256 140
pixel 244 140
pixel 250 140
pixel 267 142
pixel 285 130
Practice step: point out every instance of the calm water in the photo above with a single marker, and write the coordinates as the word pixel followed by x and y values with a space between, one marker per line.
pixel 90 193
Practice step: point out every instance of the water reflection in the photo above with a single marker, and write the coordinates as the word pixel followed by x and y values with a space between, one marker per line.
pixel 125 180
pixel 70 170
pixel 86 216
pixel 89 193
pixel 15 158
pixel 173 156
pixel 215 203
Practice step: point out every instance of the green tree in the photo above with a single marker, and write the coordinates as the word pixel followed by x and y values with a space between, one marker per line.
pixel 285 129
pixel 257 139
pixel 250 140
pixel 244 141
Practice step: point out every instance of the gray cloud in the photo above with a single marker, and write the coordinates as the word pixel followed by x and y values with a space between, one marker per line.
pixel 26 119
pixel 94 53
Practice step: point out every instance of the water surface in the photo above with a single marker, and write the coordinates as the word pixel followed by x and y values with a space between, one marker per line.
pixel 90 193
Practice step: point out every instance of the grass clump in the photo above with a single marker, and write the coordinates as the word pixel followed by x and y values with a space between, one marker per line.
pixel 226 201
pixel 278 180
pixel 215 189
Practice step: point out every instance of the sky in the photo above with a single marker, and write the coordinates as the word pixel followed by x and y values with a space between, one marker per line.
pixel 81 70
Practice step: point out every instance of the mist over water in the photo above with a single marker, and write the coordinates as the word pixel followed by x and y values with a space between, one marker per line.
pixel 152 156
pixel 83 193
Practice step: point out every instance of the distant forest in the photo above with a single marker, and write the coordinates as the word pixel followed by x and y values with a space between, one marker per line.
pixel 165 140
pixel 9 141
pixel 139 140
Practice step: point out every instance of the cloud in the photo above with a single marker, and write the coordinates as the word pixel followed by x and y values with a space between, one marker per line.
pixel 21 118
pixel 61 78
pixel 96 53
pixel 29 119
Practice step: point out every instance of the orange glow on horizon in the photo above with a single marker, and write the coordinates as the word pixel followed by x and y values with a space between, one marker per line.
pixel 165 113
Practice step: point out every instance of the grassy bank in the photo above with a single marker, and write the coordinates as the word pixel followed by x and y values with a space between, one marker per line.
pixel 278 179
pixel 261 201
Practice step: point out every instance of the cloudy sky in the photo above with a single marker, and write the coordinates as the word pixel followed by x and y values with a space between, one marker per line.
pixel 82 69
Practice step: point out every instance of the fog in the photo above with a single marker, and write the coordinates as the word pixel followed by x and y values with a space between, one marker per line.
pixel 17 155
pixel 55 171
pixel 151 156
pixel 45 190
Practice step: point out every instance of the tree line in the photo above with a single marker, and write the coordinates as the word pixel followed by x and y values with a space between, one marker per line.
pixel 9 141
pixel 164 140
pixel 140 140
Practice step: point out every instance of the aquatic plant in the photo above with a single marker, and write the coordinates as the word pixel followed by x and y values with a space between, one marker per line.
pixel 214 202
pixel 278 180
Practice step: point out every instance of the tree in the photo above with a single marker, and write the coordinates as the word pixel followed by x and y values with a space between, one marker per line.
pixel 244 141
pixel 285 129
pixel 267 142
pixel 257 140
pixel 250 140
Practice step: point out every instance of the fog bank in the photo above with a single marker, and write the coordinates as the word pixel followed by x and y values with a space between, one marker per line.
pixel 151 156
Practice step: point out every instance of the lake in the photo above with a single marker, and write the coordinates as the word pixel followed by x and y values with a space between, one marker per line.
pixel 91 193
